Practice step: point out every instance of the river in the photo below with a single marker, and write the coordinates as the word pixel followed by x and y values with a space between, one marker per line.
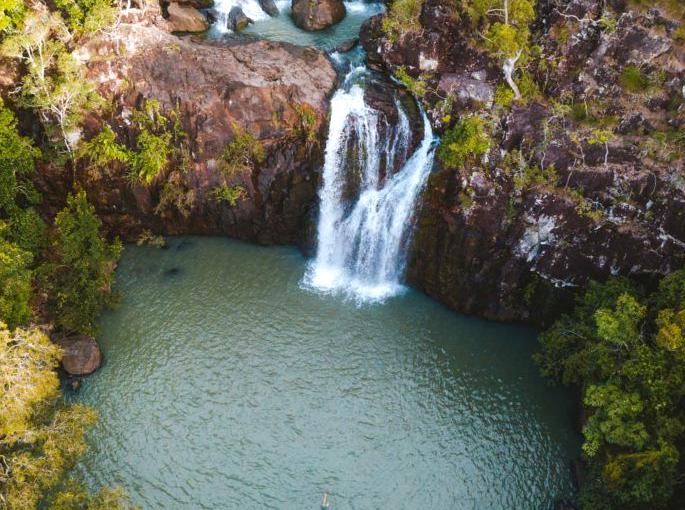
pixel 227 383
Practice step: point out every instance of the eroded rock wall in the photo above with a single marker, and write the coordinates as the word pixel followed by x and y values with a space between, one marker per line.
pixel 494 241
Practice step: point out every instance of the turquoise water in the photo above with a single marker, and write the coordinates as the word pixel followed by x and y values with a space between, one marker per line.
pixel 228 385
pixel 281 27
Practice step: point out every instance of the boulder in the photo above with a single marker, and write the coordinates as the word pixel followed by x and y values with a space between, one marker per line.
pixel 468 89
pixel 317 14
pixel 197 4
pixel 348 45
pixel 81 356
pixel 269 7
pixel 237 20
pixel 184 18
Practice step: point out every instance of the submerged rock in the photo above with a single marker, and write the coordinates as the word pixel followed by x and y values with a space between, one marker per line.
pixel 348 45
pixel 317 14
pixel 81 356
pixel 237 19
pixel 184 18
pixel 269 7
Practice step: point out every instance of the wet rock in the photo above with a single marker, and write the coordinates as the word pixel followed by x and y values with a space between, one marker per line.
pixel 82 354
pixel 237 20
pixel 269 7
pixel 317 14
pixel 348 45
pixel 184 18
pixel 197 4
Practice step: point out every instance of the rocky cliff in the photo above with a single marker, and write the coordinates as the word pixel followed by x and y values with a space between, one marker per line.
pixel 216 92
pixel 585 176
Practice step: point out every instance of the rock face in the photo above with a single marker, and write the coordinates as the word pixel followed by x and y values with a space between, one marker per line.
pixel 185 18
pixel 81 356
pixel 499 237
pixel 216 91
pixel 317 14
pixel 237 20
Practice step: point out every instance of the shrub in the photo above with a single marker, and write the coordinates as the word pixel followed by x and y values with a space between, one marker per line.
pixel 151 156
pixel 402 18
pixel 103 150
pixel 15 284
pixel 465 141
pixel 228 194
pixel 242 153
pixel 417 86
pixel 305 129
pixel 633 80
pixel 87 16
pixel 80 275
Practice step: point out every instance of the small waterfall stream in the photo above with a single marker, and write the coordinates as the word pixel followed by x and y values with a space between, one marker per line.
pixel 362 242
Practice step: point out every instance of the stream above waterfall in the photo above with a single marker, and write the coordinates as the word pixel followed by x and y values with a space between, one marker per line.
pixel 227 385
pixel 282 28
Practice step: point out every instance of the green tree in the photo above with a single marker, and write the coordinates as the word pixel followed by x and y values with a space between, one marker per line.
pixel 626 354
pixel 15 283
pixel 80 275
pixel 41 437
pixel 54 84
pixel 464 141
pixel 505 31
pixel 88 16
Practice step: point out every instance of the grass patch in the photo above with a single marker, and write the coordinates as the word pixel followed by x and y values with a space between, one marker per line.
pixel 633 80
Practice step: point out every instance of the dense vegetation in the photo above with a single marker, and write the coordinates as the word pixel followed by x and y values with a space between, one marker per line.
pixel 59 273
pixel 626 352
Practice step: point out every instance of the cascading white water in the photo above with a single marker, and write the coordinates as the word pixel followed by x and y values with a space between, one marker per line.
pixel 362 245
pixel 251 8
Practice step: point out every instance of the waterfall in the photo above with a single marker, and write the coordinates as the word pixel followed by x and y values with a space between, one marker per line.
pixel 362 243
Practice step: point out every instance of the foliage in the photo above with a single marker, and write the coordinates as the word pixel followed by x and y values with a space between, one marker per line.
pixel 80 275
pixel 402 18
pixel 176 196
pixel 41 437
pixel 103 149
pixel 11 13
pixel 464 141
pixel 417 86
pixel 627 354
pixel 147 237
pixel 15 283
pixel 229 194
pixel 17 157
pixel 87 16
pixel 54 83
pixel 242 153
pixel 633 80
pixel 151 157
pixel 306 127
pixel 505 24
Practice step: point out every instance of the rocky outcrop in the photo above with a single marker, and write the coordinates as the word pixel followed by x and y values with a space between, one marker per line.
pixel 500 237
pixel 237 20
pixel 215 91
pixel 81 355
pixel 185 18
pixel 317 14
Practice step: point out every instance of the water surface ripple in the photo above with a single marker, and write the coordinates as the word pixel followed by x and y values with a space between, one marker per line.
pixel 227 385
